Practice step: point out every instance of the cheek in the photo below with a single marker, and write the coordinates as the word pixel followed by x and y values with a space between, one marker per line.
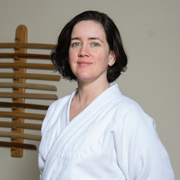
pixel 99 55
pixel 102 57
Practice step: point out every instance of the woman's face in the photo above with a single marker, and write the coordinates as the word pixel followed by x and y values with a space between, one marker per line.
pixel 89 54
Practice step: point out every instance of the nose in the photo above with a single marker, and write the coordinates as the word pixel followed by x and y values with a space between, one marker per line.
pixel 84 51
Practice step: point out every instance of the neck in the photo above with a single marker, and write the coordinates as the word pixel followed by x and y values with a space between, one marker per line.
pixel 87 92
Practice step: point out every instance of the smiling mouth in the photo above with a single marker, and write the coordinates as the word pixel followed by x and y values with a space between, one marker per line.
pixel 84 63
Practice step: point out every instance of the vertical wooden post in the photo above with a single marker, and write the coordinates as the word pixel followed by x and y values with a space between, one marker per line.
pixel 21 37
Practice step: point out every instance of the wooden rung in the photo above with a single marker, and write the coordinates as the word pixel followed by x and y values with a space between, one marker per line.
pixel 28 96
pixel 23 105
pixel 17 145
pixel 27 45
pixel 20 135
pixel 28 65
pixel 30 76
pixel 24 55
pixel 28 86
pixel 20 125
pixel 22 115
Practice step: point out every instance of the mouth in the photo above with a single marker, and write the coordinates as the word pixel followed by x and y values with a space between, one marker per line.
pixel 84 63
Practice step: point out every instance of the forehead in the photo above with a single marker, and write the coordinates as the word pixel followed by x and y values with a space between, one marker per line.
pixel 88 28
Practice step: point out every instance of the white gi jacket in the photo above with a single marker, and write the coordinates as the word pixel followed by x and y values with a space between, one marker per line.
pixel 111 139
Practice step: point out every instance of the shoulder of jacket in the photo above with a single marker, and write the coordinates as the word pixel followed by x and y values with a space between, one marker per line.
pixel 127 104
pixel 59 102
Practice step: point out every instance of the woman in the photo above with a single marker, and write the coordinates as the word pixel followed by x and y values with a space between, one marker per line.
pixel 96 133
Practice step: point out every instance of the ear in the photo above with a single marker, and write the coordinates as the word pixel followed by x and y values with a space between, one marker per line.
pixel 112 58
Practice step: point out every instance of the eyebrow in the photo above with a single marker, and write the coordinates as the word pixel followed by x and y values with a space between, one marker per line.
pixel 91 38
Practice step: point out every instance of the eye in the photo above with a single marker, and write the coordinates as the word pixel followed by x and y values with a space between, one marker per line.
pixel 95 44
pixel 75 44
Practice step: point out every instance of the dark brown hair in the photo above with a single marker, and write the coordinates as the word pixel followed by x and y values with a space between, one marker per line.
pixel 60 54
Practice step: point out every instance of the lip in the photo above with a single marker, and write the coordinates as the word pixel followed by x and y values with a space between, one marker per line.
pixel 84 63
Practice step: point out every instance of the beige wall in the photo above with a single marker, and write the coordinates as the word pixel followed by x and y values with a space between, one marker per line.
pixel 151 35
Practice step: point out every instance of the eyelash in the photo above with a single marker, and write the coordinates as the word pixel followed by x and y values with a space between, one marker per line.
pixel 75 44
pixel 93 44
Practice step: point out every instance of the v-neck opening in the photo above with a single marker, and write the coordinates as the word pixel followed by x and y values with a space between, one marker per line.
pixel 87 107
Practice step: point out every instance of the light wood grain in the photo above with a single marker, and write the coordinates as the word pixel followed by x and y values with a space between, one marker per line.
pixel 28 66
pixel 29 86
pixel 30 76
pixel 28 96
pixel 20 135
pixel 21 37
pixel 27 45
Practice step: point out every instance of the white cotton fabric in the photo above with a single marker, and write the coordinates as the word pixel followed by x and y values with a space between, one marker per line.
pixel 111 139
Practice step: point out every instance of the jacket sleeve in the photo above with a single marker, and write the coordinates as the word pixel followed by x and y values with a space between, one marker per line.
pixel 142 156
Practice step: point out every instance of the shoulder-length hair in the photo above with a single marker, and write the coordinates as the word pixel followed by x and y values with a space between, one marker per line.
pixel 60 54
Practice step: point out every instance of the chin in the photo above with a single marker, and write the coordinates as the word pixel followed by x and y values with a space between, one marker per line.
pixel 84 76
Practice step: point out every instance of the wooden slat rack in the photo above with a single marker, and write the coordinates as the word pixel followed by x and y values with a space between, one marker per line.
pixel 15 100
